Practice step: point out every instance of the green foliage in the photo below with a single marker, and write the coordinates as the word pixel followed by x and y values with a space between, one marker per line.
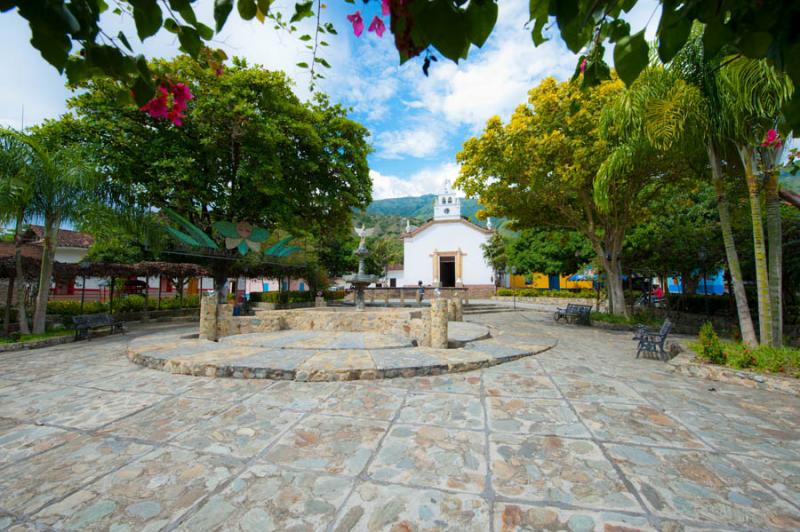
pixel 293 296
pixel 639 318
pixel 73 308
pixel 766 359
pixel 710 347
pixel 536 292
pixel 548 251
pixel 251 151
pixel 16 337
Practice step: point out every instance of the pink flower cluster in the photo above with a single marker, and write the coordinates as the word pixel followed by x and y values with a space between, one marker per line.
pixel 377 25
pixel 159 107
pixel 772 140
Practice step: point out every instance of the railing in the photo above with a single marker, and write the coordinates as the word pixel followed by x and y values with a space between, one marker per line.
pixel 408 293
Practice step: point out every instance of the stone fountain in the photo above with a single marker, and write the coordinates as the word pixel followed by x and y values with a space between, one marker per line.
pixel 361 279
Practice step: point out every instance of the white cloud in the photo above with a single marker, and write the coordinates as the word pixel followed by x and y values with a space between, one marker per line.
pixel 426 181
pixel 420 141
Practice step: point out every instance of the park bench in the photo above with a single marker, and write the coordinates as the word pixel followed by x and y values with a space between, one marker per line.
pixel 575 313
pixel 86 323
pixel 653 342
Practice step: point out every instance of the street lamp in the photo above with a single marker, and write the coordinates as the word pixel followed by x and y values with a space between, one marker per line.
pixel 84 265
pixel 514 272
pixel 702 254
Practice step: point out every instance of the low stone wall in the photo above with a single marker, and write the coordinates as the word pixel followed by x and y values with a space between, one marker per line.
pixel 556 301
pixel 218 321
pixel 687 364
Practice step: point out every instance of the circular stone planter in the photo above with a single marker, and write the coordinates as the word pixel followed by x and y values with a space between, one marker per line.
pixel 313 355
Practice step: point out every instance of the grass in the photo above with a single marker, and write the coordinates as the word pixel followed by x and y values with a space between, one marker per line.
pixel 31 337
pixel 763 359
pixel 635 319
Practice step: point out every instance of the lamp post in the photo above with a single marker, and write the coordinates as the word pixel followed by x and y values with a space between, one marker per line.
pixel 84 265
pixel 702 254
pixel 514 272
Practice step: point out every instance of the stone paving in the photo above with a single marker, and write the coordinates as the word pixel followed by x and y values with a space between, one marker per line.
pixel 580 437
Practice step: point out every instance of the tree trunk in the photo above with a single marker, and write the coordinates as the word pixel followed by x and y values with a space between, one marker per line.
pixel 45 275
pixel 734 267
pixel 7 309
pixel 759 247
pixel 774 238
pixel 613 268
pixel 22 315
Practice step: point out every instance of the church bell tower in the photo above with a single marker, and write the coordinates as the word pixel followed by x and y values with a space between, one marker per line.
pixel 448 205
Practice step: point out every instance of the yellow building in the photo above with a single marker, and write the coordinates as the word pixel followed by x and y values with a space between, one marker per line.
pixel 548 282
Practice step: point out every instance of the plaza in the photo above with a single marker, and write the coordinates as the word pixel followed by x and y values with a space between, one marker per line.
pixel 581 436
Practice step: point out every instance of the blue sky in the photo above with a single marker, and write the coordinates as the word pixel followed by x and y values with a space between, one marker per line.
pixel 418 124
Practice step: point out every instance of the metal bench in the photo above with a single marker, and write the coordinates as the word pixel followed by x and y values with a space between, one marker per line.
pixel 575 313
pixel 653 342
pixel 86 323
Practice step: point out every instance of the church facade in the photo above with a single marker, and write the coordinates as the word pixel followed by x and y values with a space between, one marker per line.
pixel 446 250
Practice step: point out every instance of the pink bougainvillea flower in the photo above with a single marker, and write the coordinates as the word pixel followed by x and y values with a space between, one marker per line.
pixel 181 93
pixel 385 8
pixel 377 26
pixel 583 65
pixel 357 22
pixel 176 117
pixel 157 107
pixel 772 140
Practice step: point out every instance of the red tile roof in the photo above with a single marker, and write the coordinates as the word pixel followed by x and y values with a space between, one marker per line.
pixel 66 238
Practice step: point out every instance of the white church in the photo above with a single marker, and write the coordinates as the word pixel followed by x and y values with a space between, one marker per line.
pixel 446 250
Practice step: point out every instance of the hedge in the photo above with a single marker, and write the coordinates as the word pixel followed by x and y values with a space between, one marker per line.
pixel 535 292
pixel 282 297
pixel 131 303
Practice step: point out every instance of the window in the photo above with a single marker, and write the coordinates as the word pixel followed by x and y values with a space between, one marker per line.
pixel 302 286
pixel 449 200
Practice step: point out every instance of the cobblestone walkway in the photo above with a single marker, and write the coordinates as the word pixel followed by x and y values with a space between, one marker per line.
pixel 580 437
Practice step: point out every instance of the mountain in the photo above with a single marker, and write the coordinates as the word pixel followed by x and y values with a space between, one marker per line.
pixel 419 208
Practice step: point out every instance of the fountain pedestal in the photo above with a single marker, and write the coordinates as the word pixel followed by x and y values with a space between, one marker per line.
pixel 360 280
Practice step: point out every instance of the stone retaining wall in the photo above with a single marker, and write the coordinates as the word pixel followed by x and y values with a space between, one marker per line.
pixel 218 321
pixel 687 364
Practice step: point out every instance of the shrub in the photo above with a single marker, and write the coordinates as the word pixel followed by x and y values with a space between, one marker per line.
pixel 537 292
pixel 131 303
pixel 281 297
pixel 73 308
pixel 710 346
pixel 334 294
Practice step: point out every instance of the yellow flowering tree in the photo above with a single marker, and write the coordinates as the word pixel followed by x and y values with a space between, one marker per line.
pixel 541 169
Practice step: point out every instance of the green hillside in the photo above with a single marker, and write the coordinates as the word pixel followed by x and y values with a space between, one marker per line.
pixel 419 208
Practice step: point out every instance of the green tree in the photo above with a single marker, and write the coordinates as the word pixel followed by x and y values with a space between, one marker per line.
pixel 540 171
pixel 251 151
pixel 383 251
pixel 64 182
pixel 549 251
pixel 17 168
pixel 494 251
pixel 724 103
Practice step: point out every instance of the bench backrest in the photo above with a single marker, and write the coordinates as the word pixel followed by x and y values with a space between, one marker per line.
pixel 665 328
pixel 93 320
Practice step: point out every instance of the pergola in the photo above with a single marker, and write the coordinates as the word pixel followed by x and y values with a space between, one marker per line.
pixel 110 270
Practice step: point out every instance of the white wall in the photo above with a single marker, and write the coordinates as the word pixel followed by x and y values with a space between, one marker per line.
pixel 449 236
pixel 70 255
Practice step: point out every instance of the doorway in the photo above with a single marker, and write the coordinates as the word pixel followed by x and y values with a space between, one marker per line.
pixel 447 271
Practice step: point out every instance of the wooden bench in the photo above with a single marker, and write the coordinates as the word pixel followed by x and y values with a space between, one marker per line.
pixel 575 313
pixel 653 342
pixel 86 323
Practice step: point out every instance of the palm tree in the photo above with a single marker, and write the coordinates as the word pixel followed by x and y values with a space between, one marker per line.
pixel 16 159
pixel 63 184
pixel 754 93
pixel 714 102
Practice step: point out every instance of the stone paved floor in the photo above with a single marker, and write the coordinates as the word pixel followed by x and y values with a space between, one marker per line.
pixel 581 437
